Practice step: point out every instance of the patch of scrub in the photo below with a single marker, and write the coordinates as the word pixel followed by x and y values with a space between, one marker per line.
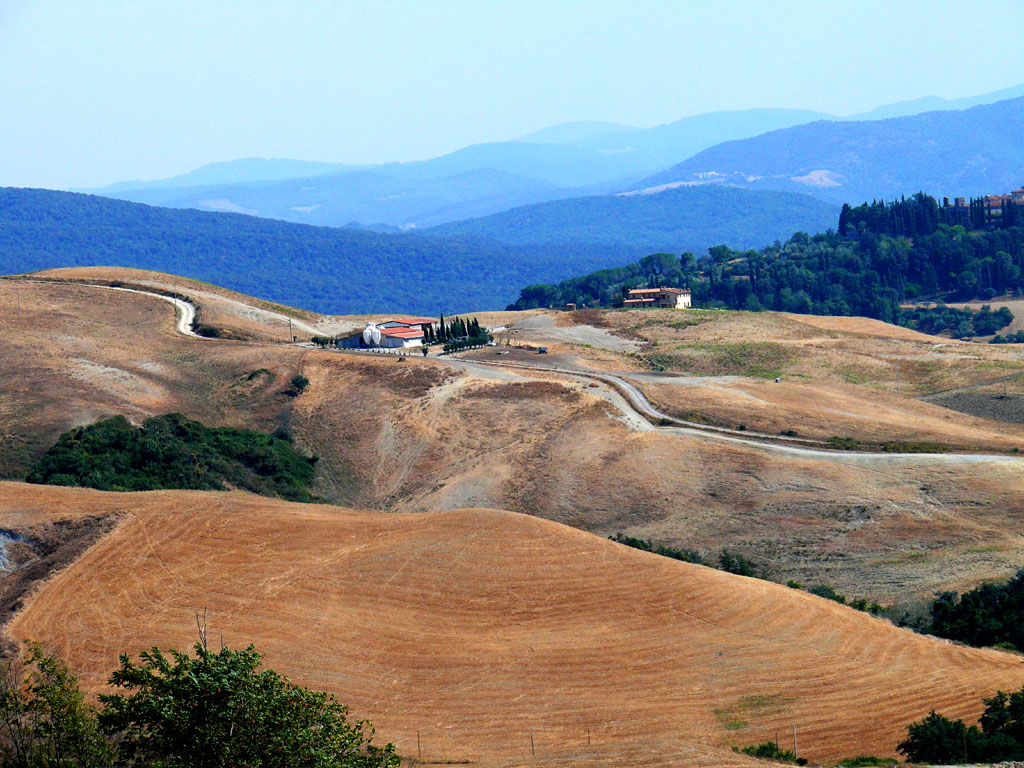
pixel 738 715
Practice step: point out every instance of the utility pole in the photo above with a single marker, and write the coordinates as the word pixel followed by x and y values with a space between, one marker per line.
pixel 291 336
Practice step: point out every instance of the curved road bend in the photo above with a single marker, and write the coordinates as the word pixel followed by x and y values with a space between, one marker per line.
pixel 776 443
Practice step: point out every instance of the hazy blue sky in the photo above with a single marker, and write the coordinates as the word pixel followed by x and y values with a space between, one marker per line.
pixel 96 92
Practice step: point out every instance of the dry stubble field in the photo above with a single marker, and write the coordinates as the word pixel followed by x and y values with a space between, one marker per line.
pixel 475 627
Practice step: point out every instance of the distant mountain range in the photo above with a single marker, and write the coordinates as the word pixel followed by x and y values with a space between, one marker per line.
pixel 565 161
pixel 675 220
pixel 543 200
pixel 970 152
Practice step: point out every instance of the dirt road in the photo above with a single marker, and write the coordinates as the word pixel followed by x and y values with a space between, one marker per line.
pixel 638 404
pixel 638 412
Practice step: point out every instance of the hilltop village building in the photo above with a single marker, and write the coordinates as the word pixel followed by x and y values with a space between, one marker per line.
pixel 389 334
pixel 672 298
pixel 992 206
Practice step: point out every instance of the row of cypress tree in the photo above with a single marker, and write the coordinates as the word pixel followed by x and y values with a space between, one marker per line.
pixel 455 330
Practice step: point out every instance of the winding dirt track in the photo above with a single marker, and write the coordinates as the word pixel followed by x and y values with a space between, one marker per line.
pixel 476 627
pixel 641 406
pixel 639 403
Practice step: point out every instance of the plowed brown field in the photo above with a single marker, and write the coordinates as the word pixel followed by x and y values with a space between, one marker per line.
pixel 476 627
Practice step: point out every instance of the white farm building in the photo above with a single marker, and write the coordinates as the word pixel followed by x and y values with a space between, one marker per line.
pixel 388 334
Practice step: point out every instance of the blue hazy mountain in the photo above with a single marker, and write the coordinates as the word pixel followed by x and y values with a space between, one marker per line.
pixel 674 220
pixel 564 161
pixel 473 181
pixel 937 103
pixel 957 153
pixel 233 172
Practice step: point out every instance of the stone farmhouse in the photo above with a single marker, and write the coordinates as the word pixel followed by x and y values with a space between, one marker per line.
pixel 672 298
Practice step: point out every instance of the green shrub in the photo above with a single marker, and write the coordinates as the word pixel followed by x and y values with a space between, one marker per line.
pixel 45 720
pixel 209 331
pixel 867 761
pixel 207 710
pixel 989 614
pixel 843 443
pixel 937 739
pixel 823 590
pixel 734 563
pixel 219 709
pixel 769 750
pixel 297 385
pixel 686 555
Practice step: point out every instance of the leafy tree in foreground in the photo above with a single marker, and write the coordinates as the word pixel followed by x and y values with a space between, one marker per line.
pixel 219 709
pixel 45 720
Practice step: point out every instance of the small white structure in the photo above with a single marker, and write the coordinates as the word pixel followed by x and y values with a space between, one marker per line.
pixel 389 334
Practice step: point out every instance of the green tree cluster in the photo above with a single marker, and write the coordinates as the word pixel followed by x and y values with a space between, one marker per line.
pixel 961 323
pixel 866 273
pixel 998 737
pixel 172 451
pixel 457 335
pixel 990 614
pixel 179 710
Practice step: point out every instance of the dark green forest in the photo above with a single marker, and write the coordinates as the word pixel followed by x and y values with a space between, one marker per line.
pixel 174 452
pixel 344 271
pixel 865 272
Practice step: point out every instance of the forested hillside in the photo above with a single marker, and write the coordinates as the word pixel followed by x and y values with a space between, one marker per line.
pixel 865 272
pixel 323 269
pixel 686 218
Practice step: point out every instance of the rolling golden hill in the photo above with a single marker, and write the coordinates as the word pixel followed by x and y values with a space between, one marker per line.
pixel 477 628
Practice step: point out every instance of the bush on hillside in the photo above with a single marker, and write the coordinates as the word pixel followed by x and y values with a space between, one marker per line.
pixel 220 709
pixel 937 739
pixel 732 562
pixel 174 452
pixel 987 615
pixel 769 750
pixel 44 718
pixel 297 385
pixel 686 555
